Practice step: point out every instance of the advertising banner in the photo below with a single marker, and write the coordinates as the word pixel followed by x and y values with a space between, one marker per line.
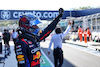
pixel 43 15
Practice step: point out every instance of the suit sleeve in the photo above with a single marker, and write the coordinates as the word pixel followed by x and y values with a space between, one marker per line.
pixel 21 54
pixel 50 28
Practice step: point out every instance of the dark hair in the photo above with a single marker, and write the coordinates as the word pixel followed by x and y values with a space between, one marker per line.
pixel 85 29
pixel 58 30
pixel 4 29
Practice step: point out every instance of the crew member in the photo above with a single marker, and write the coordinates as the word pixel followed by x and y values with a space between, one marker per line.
pixel 6 42
pixel 88 34
pixel 80 32
pixel 85 36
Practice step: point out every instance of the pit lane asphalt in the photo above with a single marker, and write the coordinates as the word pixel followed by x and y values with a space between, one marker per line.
pixel 75 56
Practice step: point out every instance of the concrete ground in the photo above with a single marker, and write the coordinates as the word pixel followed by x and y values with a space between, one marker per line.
pixel 89 44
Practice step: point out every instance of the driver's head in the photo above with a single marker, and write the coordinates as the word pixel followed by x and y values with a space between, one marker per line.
pixel 29 23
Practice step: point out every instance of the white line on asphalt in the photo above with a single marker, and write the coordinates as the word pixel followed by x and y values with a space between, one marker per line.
pixel 84 50
pixel 47 58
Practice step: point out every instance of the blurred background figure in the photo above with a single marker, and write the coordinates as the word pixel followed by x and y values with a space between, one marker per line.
pixel 6 38
pixel 85 36
pixel 80 31
pixel 88 34
pixel 14 36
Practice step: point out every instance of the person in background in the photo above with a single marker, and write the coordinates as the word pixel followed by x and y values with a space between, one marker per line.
pixel 80 32
pixel 8 37
pixel 56 39
pixel 8 33
pixel 14 36
pixel 88 34
pixel 85 36
pixel 6 42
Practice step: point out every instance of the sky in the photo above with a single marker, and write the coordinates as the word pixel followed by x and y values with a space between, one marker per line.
pixel 46 4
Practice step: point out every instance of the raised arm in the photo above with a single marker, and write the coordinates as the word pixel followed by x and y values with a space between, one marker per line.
pixel 67 30
pixel 51 26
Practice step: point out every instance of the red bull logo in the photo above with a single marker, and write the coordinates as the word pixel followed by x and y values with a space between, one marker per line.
pixel 37 56
pixel 33 63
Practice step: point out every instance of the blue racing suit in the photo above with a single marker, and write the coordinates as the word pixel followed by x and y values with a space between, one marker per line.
pixel 28 49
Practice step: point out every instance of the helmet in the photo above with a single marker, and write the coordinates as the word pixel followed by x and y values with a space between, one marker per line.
pixel 28 23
